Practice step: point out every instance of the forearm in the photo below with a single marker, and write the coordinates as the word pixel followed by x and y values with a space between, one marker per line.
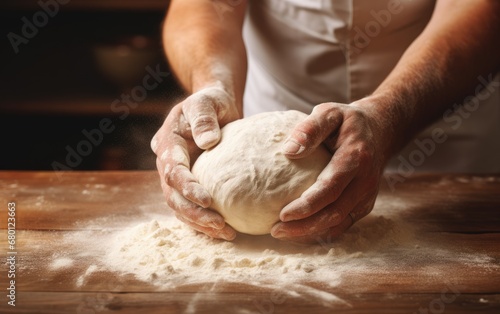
pixel 204 45
pixel 441 67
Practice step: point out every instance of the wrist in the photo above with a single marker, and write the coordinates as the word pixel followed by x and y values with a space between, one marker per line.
pixel 221 97
pixel 220 87
pixel 388 126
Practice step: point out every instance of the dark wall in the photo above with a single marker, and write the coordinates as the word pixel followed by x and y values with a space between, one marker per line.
pixel 62 79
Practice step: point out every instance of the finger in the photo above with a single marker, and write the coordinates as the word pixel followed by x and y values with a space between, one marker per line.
pixel 202 117
pixel 331 215
pixel 226 233
pixel 176 161
pixel 328 187
pixel 363 209
pixel 154 143
pixel 175 123
pixel 348 222
pixel 173 146
pixel 324 120
pixel 192 212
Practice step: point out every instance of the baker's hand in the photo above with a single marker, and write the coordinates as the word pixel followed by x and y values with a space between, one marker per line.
pixel 192 126
pixel 346 189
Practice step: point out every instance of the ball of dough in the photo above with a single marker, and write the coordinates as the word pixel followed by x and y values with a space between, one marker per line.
pixel 247 175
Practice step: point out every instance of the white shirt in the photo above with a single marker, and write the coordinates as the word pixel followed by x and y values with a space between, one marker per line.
pixel 305 52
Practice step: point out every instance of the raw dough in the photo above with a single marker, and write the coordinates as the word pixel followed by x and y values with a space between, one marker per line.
pixel 247 175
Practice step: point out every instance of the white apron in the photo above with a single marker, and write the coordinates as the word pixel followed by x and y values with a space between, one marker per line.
pixel 305 52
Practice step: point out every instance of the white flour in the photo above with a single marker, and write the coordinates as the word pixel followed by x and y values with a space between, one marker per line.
pixel 163 252
pixel 60 263
pixel 167 253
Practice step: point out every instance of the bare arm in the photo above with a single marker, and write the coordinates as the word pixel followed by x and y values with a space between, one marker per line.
pixel 460 43
pixel 204 45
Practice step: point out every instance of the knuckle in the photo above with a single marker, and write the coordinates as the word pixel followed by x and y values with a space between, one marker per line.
pixel 363 153
pixel 203 122
pixel 327 111
pixel 327 117
pixel 179 203
pixel 185 219
pixel 328 106
pixel 167 170
pixel 173 174
pixel 171 201
pixel 323 108
pixel 164 155
pixel 174 114
pixel 171 204
pixel 154 143
pixel 357 112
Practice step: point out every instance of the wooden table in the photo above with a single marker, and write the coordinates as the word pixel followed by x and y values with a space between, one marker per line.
pixel 451 212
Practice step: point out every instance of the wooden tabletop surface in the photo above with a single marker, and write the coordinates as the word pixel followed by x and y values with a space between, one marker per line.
pixel 455 214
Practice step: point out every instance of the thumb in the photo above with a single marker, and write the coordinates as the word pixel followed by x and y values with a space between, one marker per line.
pixel 202 117
pixel 310 133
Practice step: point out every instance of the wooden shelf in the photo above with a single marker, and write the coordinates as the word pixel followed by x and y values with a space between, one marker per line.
pixel 88 107
pixel 92 4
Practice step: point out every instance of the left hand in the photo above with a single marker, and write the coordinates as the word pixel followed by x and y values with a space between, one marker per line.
pixel 346 189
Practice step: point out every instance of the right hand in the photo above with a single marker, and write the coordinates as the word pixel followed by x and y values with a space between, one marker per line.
pixel 191 127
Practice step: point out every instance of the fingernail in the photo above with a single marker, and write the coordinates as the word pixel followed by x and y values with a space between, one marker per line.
pixel 287 216
pixel 207 139
pixel 217 224
pixel 202 197
pixel 292 147
pixel 296 209
pixel 228 237
pixel 278 233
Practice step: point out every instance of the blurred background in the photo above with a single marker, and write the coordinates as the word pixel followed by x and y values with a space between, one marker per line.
pixel 84 84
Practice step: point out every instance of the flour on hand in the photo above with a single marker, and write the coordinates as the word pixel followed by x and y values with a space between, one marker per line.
pixel 247 175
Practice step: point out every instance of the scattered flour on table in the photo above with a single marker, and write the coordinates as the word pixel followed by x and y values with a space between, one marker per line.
pixel 81 280
pixel 156 248
pixel 61 262
pixel 166 253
